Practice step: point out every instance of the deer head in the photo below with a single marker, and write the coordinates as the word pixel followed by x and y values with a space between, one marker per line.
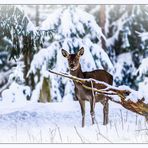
pixel 73 59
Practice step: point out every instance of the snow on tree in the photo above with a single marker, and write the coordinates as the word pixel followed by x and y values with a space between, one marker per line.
pixel 143 36
pixel 16 91
pixel 143 68
pixel 13 26
pixel 123 95
pixel 74 29
pixel 121 24
pixel 21 40
pixel 144 39
pixel 142 71
pixel 124 70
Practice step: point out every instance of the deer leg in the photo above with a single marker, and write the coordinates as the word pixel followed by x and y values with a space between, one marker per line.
pixel 92 112
pixel 82 105
pixel 105 112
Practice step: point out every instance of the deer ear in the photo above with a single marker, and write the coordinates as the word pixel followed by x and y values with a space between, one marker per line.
pixel 65 53
pixel 81 51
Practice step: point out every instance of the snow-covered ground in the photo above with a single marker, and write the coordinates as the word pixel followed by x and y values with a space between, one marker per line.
pixel 61 123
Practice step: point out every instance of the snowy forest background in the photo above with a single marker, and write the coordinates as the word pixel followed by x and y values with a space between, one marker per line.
pixel 115 38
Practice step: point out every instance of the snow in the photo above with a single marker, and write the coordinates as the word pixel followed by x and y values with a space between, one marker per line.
pixel 52 19
pixel 15 93
pixel 41 58
pixel 30 27
pixel 106 27
pixel 134 96
pixel 69 17
pixel 74 29
pixel 143 68
pixel 143 36
pixel 121 59
pixel 125 40
pixel 143 88
pixel 36 91
pixel 119 24
pixel 15 90
pixel 23 121
pixel 17 73
pixel 61 123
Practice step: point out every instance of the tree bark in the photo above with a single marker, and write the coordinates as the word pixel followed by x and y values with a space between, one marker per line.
pixel 102 18
pixel 26 68
pixel 27 61
pixel 37 15
pixel 45 95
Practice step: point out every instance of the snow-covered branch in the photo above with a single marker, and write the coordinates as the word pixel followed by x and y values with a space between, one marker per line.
pixel 143 35
pixel 119 24
pixel 126 96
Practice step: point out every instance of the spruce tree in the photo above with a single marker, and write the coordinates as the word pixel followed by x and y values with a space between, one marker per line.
pixel 20 40
pixel 74 29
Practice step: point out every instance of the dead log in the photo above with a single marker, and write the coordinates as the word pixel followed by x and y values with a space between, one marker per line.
pixel 138 106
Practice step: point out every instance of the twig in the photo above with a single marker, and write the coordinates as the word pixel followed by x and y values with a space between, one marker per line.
pixel 92 90
pixel 99 133
pixel 29 136
pixel 141 130
pixel 104 137
pixel 16 130
pixel 52 133
pixel 126 115
pixel 93 101
pixel 122 119
pixel 41 136
pixel 79 135
pixel 59 133
pixel 116 130
pixel 136 119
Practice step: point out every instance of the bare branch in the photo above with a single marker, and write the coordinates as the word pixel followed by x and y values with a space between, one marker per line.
pixel 139 107
pixel 79 135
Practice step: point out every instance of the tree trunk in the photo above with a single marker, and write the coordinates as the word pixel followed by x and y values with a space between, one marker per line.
pixel 45 95
pixel 30 79
pixel 37 15
pixel 26 68
pixel 102 18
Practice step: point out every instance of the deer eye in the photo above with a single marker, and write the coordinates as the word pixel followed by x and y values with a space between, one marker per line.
pixel 77 60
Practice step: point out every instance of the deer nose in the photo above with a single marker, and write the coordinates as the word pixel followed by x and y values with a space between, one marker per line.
pixel 71 65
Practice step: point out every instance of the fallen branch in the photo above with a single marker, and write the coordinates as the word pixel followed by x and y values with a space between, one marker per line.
pixel 86 83
pixel 139 106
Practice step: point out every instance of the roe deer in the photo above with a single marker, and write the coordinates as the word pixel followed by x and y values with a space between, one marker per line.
pixel 83 94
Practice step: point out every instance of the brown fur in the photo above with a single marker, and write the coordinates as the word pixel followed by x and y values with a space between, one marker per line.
pixel 83 94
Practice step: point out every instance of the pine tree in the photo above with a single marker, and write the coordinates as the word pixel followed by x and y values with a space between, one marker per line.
pixel 21 40
pixel 73 28
pixel 14 28
pixel 121 28
pixel 130 40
